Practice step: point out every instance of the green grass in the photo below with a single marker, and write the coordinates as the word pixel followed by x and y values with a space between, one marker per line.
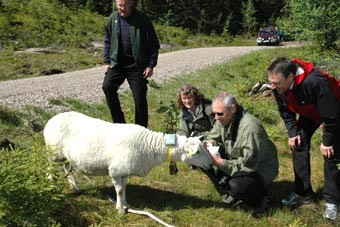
pixel 19 65
pixel 189 198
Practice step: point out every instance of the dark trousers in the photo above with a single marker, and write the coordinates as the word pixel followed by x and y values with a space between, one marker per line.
pixel 113 79
pixel 302 167
pixel 248 188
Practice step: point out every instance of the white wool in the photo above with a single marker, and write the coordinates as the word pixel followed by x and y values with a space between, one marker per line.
pixel 97 147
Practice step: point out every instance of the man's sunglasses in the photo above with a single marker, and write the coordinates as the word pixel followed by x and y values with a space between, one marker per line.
pixel 220 114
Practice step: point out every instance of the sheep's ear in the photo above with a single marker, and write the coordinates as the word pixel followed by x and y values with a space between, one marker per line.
pixel 197 137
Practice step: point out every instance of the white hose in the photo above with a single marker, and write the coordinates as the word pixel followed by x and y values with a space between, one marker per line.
pixel 141 212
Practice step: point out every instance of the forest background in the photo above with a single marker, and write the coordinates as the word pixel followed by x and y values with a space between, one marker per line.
pixel 72 22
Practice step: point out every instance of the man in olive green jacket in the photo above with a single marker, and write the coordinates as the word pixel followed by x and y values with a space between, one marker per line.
pixel 247 159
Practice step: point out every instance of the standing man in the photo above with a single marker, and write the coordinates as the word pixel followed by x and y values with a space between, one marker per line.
pixel 301 89
pixel 247 160
pixel 130 52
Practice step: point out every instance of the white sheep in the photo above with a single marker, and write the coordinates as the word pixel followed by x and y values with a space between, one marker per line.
pixel 96 147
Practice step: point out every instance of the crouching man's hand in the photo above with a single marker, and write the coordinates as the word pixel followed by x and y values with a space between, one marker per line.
pixel 209 143
pixel 217 160
pixel 213 152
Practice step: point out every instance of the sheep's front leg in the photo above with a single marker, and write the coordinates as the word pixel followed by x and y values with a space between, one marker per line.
pixel 120 187
pixel 70 177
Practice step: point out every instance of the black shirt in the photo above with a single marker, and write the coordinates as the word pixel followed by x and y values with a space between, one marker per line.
pixel 125 48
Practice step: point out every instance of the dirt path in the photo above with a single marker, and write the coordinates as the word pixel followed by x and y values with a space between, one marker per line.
pixel 86 84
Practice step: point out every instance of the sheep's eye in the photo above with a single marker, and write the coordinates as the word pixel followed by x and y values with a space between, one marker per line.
pixel 191 153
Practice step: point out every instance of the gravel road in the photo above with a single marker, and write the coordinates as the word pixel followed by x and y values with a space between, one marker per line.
pixel 86 84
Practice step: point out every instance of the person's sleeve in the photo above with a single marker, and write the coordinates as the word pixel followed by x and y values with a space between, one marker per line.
pixel 248 153
pixel 153 44
pixel 288 117
pixel 215 134
pixel 183 127
pixel 107 41
pixel 328 106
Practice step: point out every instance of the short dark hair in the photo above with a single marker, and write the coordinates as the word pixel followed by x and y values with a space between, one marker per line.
pixel 282 65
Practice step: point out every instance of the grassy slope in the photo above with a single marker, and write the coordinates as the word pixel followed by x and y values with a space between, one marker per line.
pixel 187 199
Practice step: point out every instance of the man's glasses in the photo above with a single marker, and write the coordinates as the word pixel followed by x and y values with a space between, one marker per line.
pixel 220 114
pixel 123 6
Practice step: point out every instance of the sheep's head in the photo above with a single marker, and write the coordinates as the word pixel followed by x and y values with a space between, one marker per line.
pixel 194 152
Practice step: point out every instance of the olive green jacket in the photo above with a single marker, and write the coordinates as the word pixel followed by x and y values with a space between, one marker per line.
pixel 246 146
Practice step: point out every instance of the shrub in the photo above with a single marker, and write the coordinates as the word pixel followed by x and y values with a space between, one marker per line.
pixel 26 191
pixel 9 117
pixel 41 23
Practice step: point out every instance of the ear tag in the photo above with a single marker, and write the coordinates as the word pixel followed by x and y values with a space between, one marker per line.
pixel 170 139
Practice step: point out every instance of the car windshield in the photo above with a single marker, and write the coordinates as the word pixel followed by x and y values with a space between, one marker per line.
pixel 266 31
pixel 263 32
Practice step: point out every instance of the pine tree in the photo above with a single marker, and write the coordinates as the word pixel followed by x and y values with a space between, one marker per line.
pixel 249 20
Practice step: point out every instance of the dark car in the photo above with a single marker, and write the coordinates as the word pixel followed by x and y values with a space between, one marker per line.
pixel 268 36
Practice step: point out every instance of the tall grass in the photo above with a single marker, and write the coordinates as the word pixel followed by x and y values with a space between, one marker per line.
pixel 187 199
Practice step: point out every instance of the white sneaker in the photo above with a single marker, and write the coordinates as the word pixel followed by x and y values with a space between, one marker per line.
pixel 228 199
pixel 331 211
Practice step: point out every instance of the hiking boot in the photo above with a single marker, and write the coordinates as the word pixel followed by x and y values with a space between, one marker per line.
pixel 265 204
pixel 269 195
pixel 331 211
pixel 295 199
pixel 228 199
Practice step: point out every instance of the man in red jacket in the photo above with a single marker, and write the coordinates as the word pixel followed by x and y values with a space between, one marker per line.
pixel 301 89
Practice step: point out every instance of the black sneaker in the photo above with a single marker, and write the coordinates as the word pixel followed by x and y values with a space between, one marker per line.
pixel 267 200
pixel 269 195
pixel 295 199
pixel 265 204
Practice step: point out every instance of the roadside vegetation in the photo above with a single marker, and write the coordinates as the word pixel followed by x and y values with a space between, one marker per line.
pixel 33 62
pixel 29 198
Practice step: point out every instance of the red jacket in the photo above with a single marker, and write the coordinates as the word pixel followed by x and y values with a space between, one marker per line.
pixel 314 95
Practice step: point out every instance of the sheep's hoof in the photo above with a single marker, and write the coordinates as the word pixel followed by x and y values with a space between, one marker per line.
pixel 77 192
pixel 122 211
